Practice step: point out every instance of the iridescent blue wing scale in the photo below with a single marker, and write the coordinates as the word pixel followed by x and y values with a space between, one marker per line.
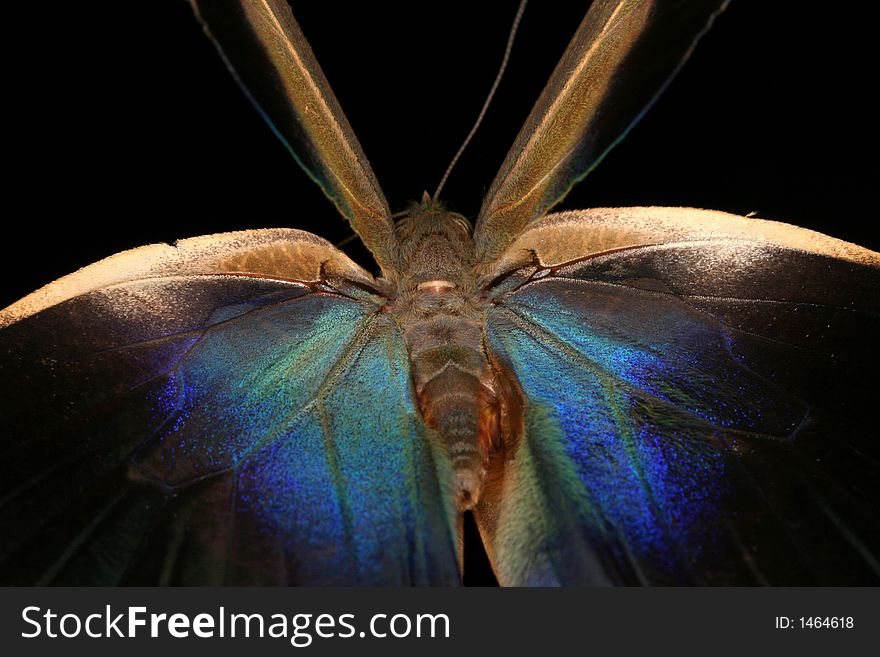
pixel 697 405
pixel 217 428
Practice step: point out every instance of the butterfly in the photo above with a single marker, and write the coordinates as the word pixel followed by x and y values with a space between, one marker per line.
pixel 634 395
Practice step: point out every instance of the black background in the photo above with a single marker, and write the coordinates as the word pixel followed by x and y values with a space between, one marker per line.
pixel 123 127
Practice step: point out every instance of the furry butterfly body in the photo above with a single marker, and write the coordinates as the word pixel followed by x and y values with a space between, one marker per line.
pixel 621 395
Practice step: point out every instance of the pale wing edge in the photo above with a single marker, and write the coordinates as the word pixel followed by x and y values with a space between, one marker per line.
pixel 271 252
pixel 566 236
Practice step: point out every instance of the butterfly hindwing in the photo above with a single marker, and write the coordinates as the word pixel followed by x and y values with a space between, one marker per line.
pixel 213 428
pixel 696 409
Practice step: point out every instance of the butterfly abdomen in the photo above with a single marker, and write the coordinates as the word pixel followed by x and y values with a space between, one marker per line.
pixel 453 384
pixel 441 313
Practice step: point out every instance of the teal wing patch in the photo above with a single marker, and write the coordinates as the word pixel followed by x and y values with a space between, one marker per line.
pixel 688 429
pixel 216 429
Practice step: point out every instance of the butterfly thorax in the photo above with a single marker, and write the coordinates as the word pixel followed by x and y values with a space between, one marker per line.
pixel 441 313
pixel 433 243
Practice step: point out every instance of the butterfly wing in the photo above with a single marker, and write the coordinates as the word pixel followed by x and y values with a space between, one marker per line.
pixel 622 56
pixel 698 393
pixel 270 58
pixel 188 416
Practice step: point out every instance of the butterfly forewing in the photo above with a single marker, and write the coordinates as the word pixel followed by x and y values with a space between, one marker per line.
pixel 269 56
pixel 621 57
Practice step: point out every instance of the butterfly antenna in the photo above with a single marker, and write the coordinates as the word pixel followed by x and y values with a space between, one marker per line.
pixel 353 236
pixel 507 49
pixel 347 240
